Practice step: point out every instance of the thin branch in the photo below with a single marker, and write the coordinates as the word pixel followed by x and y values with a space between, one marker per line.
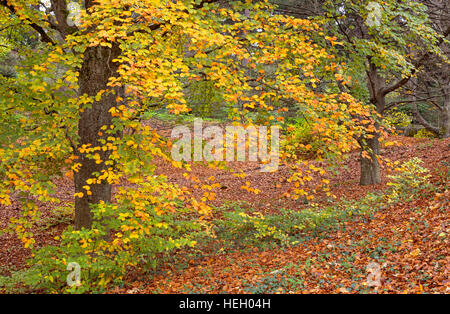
pixel 39 29
pixel 417 65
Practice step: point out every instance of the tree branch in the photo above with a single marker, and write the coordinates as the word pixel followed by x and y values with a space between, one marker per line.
pixel 417 65
pixel 39 29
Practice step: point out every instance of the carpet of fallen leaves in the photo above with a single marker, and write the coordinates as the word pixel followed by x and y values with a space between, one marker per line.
pixel 408 241
pixel 412 245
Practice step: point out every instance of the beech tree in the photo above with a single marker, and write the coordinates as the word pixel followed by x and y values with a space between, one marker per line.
pixel 377 38
pixel 385 44
pixel 115 60
pixel 431 86
pixel 75 108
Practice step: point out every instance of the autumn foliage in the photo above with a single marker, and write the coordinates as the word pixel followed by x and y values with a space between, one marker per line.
pixel 76 111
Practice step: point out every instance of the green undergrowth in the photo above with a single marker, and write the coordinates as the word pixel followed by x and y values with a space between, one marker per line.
pixel 241 227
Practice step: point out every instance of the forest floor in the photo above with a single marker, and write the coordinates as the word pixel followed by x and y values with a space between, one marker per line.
pixel 407 241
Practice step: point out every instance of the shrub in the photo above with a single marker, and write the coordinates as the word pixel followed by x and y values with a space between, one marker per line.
pixel 424 133
pixel 409 178
pixel 249 229
pixel 136 238
pixel 300 140
pixel 397 119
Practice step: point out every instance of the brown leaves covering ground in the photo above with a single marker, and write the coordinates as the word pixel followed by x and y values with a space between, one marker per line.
pixel 409 240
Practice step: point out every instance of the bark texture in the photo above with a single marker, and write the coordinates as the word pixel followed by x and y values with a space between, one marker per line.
pixel 96 69
pixel 370 167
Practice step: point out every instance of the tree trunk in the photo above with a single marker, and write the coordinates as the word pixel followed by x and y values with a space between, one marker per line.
pixel 96 69
pixel 370 167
